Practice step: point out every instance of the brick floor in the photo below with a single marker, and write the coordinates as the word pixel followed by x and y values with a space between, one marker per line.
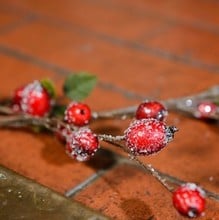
pixel 138 49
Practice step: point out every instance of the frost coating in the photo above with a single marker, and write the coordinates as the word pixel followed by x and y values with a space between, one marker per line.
pixel 82 144
pixel 32 99
pixel 147 136
pixel 189 200
pixel 78 114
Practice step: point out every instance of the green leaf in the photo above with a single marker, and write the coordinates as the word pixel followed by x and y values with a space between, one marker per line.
pixel 216 102
pixel 49 86
pixel 78 86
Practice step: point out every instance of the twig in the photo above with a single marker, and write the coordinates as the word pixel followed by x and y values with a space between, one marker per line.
pixel 148 167
pixel 185 104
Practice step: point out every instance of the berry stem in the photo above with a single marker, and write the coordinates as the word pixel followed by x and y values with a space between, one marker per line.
pixel 163 178
pixel 52 124
pixel 147 167
pixel 22 120
pixel 6 110
pixel 154 172
pixel 185 104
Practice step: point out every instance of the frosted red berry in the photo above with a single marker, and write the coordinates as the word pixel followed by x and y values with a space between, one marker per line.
pixel 148 136
pixel 189 200
pixel 63 133
pixel 16 100
pixel 78 114
pixel 32 99
pixel 151 109
pixel 206 109
pixel 82 144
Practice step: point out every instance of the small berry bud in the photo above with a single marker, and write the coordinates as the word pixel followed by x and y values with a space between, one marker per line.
pixel 63 133
pixel 78 114
pixel 16 100
pixel 206 109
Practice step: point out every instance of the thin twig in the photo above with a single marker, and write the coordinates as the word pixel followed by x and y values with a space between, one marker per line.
pixel 148 167
pixel 185 104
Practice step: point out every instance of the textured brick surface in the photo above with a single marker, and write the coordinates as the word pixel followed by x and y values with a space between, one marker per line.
pixel 138 49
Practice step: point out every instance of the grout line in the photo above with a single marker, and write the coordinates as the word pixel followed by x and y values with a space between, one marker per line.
pixel 148 13
pixel 142 13
pixel 10 52
pixel 72 192
pixel 151 51
pixel 31 59
pixel 133 45
pixel 125 93
pixel 118 161
pixel 17 24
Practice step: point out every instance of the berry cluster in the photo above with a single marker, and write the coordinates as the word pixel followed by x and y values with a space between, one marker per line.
pixel 147 133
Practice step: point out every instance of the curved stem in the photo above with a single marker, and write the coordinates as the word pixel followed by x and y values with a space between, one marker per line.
pixel 163 178
pixel 52 124
pixel 185 104
pixel 148 167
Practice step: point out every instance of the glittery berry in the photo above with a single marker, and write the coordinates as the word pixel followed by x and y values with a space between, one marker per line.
pixel 148 136
pixel 189 200
pixel 151 109
pixel 16 100
pixel 78 114
pixel 206 109
pixel 63 133
pixel 32 99
pixel 82 144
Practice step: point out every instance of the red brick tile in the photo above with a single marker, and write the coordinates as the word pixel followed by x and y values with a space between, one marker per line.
pixel 128 193
pixel 181 11
pixel 199 13
pixel 189 43
pixel 86 43
pixel 7 18
pixel 40 158
pixel 144 73
pixel 15 73
pixel 99 17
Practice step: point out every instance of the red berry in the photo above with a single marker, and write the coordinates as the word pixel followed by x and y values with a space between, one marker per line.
pixel 32 99
pixel 206 109
pixel 63 133
pixel 82 144
pixel 16 100
pixel 151 109
pixel 78 114
pixel 148 136
pixel 189 200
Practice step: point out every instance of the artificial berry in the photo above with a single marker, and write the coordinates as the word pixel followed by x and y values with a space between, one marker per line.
pixel 206 109
pixel 16 100
pixel 78 114
pixel 32 99
pixel 151 109
pixel 63 133
pixel 148 136
pixel 82 144
pixel 189 200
